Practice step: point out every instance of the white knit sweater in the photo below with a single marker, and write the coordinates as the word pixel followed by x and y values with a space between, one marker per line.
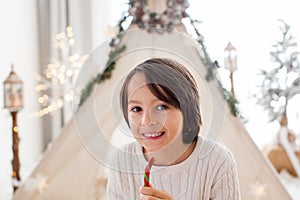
pixel 208 173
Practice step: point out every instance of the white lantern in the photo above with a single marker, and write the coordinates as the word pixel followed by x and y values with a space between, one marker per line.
pixel 13 92
pixel 230 56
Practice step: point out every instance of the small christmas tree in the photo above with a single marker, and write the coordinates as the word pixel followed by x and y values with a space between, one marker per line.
pixel 282 83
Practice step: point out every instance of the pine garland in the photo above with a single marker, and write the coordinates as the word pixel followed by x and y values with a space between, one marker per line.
pixel 211 66
pixel 116 50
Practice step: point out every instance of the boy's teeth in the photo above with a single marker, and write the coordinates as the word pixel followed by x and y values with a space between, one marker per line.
pixel 152 134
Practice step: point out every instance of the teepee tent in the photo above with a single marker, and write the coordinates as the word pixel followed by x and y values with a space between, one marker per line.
pixel 75 166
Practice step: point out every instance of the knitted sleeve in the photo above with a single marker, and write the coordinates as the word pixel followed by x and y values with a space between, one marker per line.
pixel 114 188
pixel 226 184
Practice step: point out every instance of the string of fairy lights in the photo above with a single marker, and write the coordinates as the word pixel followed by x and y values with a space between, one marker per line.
pixel 59 75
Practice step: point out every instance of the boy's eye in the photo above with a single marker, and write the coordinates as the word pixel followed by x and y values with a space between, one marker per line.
pixel 136 109
pixel 162 107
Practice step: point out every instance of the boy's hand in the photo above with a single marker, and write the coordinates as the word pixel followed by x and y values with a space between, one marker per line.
pixel 150 193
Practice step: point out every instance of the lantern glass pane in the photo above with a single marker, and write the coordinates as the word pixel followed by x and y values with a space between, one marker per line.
pixel 13 99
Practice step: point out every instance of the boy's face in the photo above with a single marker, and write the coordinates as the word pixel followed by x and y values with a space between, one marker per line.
pixel 153 123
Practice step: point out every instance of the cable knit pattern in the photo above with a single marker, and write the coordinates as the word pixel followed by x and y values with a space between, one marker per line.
pixel 208 173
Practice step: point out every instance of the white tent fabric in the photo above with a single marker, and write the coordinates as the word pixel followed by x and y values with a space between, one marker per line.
pixel 75 165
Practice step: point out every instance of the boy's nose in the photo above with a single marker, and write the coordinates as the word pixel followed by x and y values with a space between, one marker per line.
pixel 146 119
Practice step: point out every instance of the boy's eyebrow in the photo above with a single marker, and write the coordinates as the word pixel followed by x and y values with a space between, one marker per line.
pixel 133 101
pixel 138 102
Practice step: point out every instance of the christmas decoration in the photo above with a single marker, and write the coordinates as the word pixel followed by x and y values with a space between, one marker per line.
pixel 257 189
pixel 152 21
pixel 147 172
pixel 230 58
pixel 39 183
pixel 211 72
pixel 59 75
pixel 13 101
pixel 115 51
pixel 282 83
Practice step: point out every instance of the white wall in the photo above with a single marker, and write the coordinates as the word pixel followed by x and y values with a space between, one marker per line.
pixel 19 45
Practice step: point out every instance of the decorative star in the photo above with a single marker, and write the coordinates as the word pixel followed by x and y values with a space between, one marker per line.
pixel 257 189
pixel 36 183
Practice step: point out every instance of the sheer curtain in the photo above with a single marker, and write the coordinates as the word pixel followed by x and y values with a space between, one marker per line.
pixel 52 20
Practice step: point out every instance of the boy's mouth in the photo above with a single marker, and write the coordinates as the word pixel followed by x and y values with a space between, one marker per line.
pixel 153 135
